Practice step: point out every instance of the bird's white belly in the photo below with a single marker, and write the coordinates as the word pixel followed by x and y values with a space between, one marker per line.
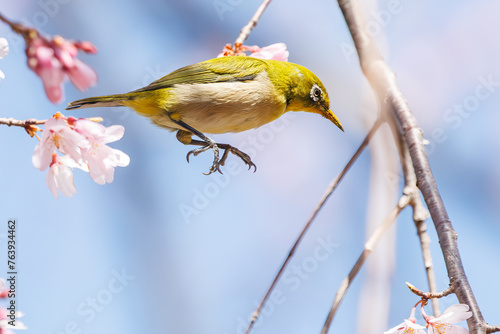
pixel 226 106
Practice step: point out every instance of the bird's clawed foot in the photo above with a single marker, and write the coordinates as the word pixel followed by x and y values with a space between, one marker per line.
pixel 217 163
pixel 242 155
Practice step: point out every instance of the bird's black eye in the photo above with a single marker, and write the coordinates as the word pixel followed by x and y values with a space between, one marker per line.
pixel 316 93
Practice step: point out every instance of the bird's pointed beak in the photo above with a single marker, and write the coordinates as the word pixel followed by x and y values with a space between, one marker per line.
pixel 331 116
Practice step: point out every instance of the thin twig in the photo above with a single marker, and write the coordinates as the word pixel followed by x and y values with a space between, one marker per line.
pixel 333 185
pixel 430 295
pixel 14 122
pixel 383 81
pixel 375 295
pixel 27 33
pixel 30 125
pixel 420 214
pixel 250 25
pixel 419 217
pixel 369 246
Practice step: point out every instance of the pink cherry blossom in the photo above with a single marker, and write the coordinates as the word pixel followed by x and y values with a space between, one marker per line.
pixel 101 159
pixel 444 323
pixel 5 327
pixel 276 51
pixel 60 175
pixel 83 141
pixel 4 291
pixel 53 60
pixel 408 326
pixel 58 134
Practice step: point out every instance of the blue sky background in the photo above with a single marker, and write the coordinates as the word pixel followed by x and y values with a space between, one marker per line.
pixel 123 258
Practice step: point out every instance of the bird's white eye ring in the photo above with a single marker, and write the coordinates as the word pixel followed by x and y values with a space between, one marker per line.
pixel 316 93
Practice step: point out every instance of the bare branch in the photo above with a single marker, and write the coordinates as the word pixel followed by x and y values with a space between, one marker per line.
pixel 369 246
pixel 30 125
pixel 383 81
pixel 333 185
pixel 250 25
pixel 14 122
pixel 27 33
pixel 430 295
pixel 420 214
pixel 492 329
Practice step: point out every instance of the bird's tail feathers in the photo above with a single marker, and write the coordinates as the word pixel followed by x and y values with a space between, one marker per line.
pixel 99 101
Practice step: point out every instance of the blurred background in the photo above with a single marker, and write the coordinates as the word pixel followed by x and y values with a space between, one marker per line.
pixel 166 249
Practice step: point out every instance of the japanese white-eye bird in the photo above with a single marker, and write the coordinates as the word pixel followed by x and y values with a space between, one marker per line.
pixel 227 94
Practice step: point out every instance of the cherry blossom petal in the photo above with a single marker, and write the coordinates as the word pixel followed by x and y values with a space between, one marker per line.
pixel 4 50
pixel 66 139
pixel 4 322
pixel 444 323
pixel 276 51
pixel 81 75
pixel 113 133
pixel 4 47
pixel 70 142
pixel 454 314
pixel 86 46
pixel 42 156
pixel 52 77
pixel 93 131
pixel 58 134
pixel 44 56
pixel 98 133
pixel 101 160
pixel 64 57
pixel 60 177
pixel 407 327
pixel 445 328
pixel 4 291
pixel 73 164
pixel 118 158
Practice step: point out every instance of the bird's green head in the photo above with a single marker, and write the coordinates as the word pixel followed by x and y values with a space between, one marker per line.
pixel 308 94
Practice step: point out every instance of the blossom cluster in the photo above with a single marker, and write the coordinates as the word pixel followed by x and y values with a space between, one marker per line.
pixel 6 324
pixel 83 143
pixel 55 59
pixel 444 324
pixel 276 51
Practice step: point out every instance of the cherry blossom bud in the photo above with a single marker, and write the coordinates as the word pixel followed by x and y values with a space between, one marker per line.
pixel 53 60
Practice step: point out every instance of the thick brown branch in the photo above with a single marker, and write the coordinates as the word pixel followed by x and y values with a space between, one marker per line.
pixel 383 82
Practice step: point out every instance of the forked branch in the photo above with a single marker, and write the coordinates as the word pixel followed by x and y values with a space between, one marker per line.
pixel 383 82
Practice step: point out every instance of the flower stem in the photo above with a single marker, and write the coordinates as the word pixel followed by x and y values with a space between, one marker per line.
pixel 27 33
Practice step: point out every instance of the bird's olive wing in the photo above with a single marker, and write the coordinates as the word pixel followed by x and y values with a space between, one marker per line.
pixel 222 69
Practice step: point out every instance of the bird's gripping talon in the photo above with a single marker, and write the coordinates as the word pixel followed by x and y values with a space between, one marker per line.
pixel 242 155
pixel 227 149
pixel 216 165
